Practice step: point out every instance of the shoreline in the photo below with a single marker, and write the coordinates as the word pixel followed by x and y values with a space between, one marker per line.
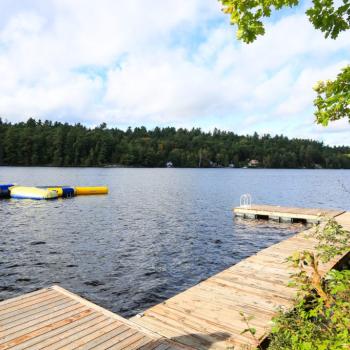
pixel 156 167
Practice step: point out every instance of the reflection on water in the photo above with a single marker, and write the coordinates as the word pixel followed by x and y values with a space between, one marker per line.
pixel 158 232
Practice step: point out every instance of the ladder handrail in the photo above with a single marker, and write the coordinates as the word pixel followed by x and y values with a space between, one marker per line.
pixel 245 200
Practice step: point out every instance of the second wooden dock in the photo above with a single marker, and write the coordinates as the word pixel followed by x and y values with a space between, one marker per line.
pixel 285 214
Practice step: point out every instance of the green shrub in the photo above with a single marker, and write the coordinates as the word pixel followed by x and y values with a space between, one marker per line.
pixel 312 325
pixel 321 317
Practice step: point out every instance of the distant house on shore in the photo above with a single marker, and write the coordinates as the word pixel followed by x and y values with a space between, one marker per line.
pixel 253 163
pixel 169 165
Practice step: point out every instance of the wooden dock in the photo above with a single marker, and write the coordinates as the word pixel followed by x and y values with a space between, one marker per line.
pixel 285 214
pixel 206 316
pixel 53 318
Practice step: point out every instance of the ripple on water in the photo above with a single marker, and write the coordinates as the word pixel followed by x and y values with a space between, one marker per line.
pixel 94 283
pixel 37 243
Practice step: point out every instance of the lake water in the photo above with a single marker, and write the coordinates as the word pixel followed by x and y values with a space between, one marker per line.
pixel 158 232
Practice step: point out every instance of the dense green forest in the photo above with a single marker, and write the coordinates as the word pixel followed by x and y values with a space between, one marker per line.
pixel 52 143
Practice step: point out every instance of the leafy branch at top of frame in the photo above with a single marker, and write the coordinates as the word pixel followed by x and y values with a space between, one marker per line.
pixel 331 17
pixel 248 16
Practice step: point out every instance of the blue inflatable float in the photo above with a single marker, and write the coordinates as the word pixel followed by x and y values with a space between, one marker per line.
pixel 5 190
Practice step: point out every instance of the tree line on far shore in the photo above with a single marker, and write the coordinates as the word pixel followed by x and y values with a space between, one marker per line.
pixel 60 144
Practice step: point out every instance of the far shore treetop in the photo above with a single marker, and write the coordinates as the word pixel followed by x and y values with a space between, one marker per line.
pixel 61 144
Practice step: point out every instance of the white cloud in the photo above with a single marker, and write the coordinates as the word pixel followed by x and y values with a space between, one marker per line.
pixel 300 92
pixel 167 62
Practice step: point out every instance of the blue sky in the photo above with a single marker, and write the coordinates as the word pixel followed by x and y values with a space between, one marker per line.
pixel 162 62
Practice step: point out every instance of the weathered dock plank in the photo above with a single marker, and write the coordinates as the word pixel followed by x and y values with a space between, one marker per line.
pixel 344 220
pixel 53 318
pixel 291 214
pixel 208 315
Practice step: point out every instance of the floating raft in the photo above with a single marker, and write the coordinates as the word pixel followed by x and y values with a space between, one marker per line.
pixel 285 214
pixel 48 192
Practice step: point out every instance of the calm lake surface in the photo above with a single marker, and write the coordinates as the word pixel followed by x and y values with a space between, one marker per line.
pixel 158 232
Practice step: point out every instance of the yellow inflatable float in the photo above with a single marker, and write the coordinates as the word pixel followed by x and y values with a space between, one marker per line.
pixel 22 192
pixel 90 190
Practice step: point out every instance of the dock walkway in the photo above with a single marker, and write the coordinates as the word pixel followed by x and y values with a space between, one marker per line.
pixel 53 318
pixel 206 316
